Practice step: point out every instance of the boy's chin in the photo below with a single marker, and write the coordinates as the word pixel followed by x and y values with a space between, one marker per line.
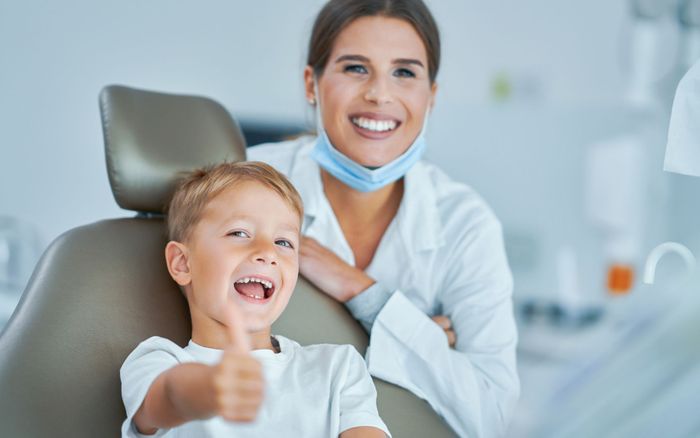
pixel 256 324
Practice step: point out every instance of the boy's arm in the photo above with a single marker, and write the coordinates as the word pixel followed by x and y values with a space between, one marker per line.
pixel 180 394
pixel 363 432
pixel 232 389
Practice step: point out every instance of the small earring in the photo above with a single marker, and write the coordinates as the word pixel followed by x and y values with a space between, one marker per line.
pixel 312 100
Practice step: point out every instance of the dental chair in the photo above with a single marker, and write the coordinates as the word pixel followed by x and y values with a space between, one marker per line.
pixel 102 288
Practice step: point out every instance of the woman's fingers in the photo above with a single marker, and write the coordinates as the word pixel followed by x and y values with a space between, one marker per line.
pixel 443 321
pixel 451 337
pixel 445 324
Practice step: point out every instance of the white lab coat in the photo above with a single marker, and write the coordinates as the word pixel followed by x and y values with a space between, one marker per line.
pixel 442 254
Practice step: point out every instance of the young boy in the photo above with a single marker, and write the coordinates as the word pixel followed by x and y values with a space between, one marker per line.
pixel 234 250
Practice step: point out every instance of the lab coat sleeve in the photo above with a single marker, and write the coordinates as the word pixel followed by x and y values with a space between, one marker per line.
pixel 475 385
pixel 365 306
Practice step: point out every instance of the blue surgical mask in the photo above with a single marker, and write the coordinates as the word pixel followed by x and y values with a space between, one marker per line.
pixel 357 176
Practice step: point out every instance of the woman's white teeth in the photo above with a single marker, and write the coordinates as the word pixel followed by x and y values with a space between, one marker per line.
pixel 266 284
pixel 374 125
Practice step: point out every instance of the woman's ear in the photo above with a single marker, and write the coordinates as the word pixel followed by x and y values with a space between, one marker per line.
pixel 177 262
pixel 309 85
pixel 433 91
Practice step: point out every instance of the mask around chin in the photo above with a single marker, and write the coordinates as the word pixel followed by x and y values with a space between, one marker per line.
pixel 362 178
pixel 359 177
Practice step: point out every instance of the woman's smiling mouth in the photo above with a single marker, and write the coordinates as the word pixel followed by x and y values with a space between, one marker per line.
pixel 375 127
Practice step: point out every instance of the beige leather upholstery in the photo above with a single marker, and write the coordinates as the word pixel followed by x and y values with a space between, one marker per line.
pixel 96 293
pixel 151 138
pixel 101 289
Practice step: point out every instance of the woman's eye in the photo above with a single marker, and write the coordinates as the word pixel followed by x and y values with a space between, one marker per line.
pixel 355 68
pixel 284 242
pixel 238 233
pixel 404 73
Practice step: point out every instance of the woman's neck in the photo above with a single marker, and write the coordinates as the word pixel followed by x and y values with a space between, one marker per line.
pixel 363 217
pixel 361 208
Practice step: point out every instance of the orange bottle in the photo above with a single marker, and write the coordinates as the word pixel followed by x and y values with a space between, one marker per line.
pixel 620 278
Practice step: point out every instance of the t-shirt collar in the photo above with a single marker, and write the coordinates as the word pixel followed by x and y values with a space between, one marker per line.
pixel 211 356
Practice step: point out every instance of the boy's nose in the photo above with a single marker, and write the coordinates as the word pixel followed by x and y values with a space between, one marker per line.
pixel 265 253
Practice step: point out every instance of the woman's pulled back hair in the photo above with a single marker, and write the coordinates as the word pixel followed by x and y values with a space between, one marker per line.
pixel 338 14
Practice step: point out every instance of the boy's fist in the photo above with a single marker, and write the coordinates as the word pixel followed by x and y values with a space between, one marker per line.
pixel 238 386
pixel 237 380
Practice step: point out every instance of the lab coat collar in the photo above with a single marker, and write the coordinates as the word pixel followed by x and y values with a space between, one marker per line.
pixel 418 216
pixel 306 176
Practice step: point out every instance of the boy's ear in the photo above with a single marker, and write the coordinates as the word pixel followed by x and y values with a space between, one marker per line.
pixel 178 265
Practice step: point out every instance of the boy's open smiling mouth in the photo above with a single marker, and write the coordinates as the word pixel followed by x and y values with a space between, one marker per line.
pixel 255 289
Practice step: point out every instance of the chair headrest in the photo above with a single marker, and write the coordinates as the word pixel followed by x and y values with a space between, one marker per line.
pixel 152 138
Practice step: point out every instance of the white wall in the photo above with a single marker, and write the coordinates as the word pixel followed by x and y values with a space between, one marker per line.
pixel 56 56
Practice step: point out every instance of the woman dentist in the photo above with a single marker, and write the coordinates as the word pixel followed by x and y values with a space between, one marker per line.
pixel 417 258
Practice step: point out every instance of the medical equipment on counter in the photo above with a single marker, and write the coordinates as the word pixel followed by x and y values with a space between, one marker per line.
pixel 571 308
pixel 648 388
pixel 615 180
pixel 657 253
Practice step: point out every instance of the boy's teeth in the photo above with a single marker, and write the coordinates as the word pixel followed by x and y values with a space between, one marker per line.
pixel 267 284
pixel 374 125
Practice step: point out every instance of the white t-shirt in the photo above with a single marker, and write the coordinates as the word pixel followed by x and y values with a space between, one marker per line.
pixel 312 391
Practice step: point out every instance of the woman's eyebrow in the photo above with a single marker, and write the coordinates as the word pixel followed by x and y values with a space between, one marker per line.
pixel 408 61
pixel 360 58
pixel 352 58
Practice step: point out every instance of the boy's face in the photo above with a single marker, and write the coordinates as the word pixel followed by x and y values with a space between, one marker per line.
pixel 244 248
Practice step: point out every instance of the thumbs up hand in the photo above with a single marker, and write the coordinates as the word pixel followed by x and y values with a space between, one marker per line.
pixel 237 380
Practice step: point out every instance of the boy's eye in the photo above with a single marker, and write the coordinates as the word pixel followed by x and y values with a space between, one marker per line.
pixel 404 73
pixel 355 68
pixel 238 233
pixel 284 242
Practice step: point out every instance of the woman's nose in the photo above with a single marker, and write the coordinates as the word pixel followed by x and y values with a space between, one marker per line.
pixel 378 91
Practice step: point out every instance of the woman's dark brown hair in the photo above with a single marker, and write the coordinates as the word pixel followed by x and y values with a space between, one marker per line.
pixel 337 14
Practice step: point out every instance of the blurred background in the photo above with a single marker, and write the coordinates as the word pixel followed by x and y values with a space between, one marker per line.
pixel 556 112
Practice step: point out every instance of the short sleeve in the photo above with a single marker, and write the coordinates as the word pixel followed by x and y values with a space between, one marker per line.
pixel 358 396
pixel 140 369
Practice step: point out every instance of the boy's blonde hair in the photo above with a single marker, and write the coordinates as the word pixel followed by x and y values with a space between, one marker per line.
pixel 199 186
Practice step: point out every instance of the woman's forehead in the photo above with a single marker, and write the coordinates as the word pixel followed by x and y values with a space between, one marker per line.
pixel 379 37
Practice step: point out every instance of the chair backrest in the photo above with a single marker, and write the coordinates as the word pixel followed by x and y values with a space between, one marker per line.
pixel 100 289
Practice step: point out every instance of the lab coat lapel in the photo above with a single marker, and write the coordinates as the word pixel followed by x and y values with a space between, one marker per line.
pixel 419 216
pixel 319 220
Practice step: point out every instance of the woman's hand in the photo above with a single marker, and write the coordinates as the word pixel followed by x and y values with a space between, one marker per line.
pixel 330 273
pixel 445 324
